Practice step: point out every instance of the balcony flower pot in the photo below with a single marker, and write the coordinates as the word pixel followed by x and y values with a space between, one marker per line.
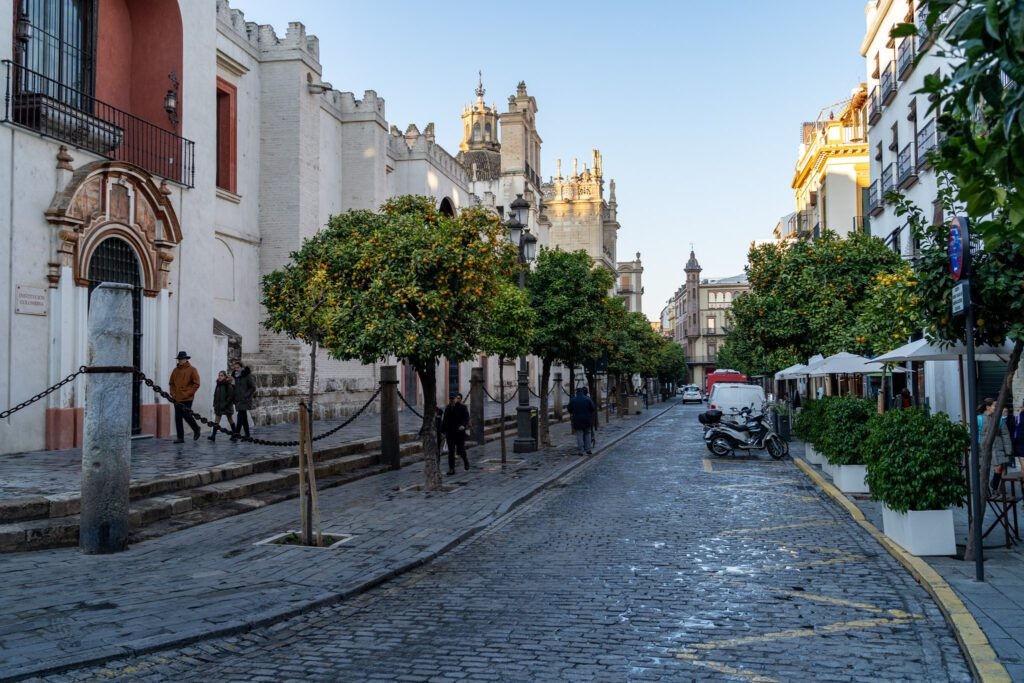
pixel 921 532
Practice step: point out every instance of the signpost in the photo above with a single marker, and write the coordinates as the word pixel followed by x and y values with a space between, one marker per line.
pixel 960 269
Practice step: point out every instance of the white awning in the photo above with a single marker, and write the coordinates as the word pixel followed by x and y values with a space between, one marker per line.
pixel 921 350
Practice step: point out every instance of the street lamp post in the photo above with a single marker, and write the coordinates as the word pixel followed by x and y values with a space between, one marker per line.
pixel 519 233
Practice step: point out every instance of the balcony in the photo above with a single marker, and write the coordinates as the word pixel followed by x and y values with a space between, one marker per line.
pixel 861 224
pixel 887 181
pixel 874 199
pixel 906 171
pixel 701 360
pixel 905 58
pixel 926 142
pixel 924 37
pixel 894 241
pixel 57 111
pixel 714 332
pixel 887 83
pixel 874 106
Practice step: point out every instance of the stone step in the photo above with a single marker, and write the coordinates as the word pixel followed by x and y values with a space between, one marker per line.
pixel 191 498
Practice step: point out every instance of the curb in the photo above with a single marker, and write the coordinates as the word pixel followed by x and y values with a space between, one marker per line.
pixel 982 659
pixel 239 627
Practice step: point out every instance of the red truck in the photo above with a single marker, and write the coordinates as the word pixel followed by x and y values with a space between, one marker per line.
pixel 724 375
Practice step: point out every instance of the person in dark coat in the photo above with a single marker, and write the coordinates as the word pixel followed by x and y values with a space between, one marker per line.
pixel 455 424
pixel 582 412
pixel 223 402
pixel 245 389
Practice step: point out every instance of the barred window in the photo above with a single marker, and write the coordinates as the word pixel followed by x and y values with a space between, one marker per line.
pixel 55 41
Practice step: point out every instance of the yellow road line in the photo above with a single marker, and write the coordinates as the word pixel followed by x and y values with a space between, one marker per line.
pixel 724 668
pixel 788 634
pixel 707 466
pixel 979 653
pixel 898 613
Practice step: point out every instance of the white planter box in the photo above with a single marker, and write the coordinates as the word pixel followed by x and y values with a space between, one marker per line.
pixel 826 466
pixel 812 456
pixel 850 478
pixel 921 532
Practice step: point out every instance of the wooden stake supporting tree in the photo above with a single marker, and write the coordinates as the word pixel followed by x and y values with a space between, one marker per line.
pixel 309 496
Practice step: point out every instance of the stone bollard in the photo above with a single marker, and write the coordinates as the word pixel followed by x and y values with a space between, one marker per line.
pixel 106 446
pixel 390 445
pixel 557 407
pixel 476 403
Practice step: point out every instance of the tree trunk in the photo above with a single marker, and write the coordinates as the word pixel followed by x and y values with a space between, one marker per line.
pixel 311 513
pixel 501 407
pixel 428 380
pixel 985 457
pixel 545 375
pixel 592 387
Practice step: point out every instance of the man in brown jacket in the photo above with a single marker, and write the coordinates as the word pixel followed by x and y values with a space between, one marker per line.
pixel 182 387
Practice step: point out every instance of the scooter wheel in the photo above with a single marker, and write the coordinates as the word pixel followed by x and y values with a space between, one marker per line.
pixel 720 446
pixel 777 448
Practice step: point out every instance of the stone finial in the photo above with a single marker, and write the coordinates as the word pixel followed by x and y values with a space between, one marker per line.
pixel 521 89
pixel 396 131
pixel 558 169
pixel 611 191
pixel 638 256
pixel 64 159
pixel 428 132
pixel 575 167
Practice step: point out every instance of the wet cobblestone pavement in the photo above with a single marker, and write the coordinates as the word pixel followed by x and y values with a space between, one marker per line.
pixel 650 562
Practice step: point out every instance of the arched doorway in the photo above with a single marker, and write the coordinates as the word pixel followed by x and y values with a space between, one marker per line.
pixel 447 208
pixel 114 260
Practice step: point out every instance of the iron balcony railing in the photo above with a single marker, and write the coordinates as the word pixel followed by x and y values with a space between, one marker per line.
pixel 887 83
pixel 701 360
pixel 905 57
pixel 714 332
pixel 905 166
pixel 874 106
pixel 894 242
pixel 926 142
pixel 874 197
pixel 887 181
pixel 58 111
pixel 924 38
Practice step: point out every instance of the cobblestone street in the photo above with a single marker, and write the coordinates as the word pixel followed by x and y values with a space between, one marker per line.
pixel 650 562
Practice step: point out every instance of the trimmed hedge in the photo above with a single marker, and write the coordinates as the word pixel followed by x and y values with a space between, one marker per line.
pixel 809 422
pixel 913 460
pixel 845 430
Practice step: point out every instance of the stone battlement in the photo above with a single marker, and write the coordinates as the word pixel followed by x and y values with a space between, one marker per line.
pixel 346 102
pixel 264 38
pixel 414 144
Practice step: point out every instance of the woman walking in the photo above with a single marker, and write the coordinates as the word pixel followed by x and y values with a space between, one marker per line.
pixel 245 388
pixel 223 402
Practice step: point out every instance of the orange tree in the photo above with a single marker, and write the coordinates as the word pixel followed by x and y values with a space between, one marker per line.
pixel 406 282
pixel 569 296
pixel 890 313
pixel 805 298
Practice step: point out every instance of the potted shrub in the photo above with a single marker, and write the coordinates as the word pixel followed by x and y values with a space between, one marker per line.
pixel 806 427
pixel 841 440
pixel 913 463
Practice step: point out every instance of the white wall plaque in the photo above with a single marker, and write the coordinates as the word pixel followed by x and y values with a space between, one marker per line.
pixel 30 300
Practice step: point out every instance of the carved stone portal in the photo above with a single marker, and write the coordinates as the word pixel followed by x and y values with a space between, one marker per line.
pixel 114 199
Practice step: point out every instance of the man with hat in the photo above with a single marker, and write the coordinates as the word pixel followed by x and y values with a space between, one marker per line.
pixel 182 387
pixel 454 424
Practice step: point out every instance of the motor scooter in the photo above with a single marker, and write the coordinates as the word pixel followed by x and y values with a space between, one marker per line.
pixel 751 432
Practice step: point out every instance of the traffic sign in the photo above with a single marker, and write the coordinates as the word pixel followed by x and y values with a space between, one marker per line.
pixel 959 248
pixel 961 297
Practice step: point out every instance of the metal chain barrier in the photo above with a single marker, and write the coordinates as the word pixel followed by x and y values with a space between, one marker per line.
pixel 488 395
pixel 407 405
pixel 259 442
pixel 44 393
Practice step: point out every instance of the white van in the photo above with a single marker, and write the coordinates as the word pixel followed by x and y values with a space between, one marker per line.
pixel 730 397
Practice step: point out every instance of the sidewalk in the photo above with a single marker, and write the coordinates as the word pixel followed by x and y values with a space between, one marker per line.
pixel 61 609
pixel 41 473
pixel 997 604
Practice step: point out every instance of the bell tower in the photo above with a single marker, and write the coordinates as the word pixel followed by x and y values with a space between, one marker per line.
pixel 480 124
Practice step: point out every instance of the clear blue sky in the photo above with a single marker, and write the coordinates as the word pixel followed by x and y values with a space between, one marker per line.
pixel 695 106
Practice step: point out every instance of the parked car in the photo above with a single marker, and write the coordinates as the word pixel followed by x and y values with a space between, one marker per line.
pixel 692 393
pixel 731 397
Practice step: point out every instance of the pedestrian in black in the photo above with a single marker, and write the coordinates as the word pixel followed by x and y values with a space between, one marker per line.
pixel 223 402
pixel 245 389
pixel 455 424
pixel 582 412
